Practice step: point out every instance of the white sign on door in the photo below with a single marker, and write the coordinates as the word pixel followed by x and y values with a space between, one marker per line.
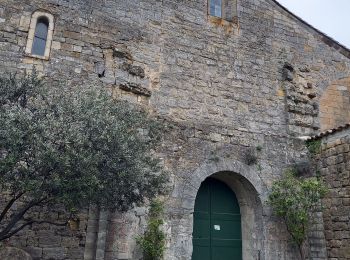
pixel 217 227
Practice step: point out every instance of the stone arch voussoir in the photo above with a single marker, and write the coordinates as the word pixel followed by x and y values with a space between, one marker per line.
pixel 206 170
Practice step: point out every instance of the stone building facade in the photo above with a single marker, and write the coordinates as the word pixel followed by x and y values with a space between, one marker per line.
pixel 259 77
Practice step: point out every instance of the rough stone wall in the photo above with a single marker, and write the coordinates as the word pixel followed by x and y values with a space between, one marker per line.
pixel 227 86
pixel 334 164
pixel 335 104
pixel 46 241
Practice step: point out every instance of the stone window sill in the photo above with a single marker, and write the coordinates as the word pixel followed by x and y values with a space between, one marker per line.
pixel 37 56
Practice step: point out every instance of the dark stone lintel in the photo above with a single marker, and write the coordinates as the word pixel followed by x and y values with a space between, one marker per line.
pixel 135 88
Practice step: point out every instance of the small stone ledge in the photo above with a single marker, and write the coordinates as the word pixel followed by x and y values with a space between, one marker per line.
pixel 38 57
pixel 134 70
pixel 121 53
pixel 135 88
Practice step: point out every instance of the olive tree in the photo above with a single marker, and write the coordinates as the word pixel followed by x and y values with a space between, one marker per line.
pixel 72 146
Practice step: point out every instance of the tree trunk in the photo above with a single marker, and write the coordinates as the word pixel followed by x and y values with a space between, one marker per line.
pixel 304 253
pixel 300 247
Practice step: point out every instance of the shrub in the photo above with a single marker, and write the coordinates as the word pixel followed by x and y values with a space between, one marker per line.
pixel 153 240
pixel 295 200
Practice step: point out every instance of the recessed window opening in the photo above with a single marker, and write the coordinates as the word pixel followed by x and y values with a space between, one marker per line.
pixel 215 8
pixel 40 36
pixel 224 9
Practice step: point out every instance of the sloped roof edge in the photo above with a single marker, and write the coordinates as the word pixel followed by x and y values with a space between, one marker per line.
pixel 323 37
pixel 329 132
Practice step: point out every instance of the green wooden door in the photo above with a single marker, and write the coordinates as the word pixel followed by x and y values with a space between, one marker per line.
pixel 217 223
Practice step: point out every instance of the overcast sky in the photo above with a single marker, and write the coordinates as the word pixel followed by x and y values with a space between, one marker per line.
pixel 329 16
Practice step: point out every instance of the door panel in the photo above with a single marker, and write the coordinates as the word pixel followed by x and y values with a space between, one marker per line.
pixel 217 223
pixel 201 237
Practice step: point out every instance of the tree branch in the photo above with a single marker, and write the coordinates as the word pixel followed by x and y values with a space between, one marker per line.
pixel 9 205
pixel 17 217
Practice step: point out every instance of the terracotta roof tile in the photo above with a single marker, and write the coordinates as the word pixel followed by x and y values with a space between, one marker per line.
pixel 330 132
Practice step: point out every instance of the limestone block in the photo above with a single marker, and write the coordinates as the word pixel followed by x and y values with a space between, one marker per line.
pixel 25 22
pixel 14 254
pixel 35 252
pixel 75 253
pixel 56 253
pixel 77 48
pixel 56 45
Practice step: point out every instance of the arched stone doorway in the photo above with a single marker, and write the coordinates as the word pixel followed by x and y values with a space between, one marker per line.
pixel 250 191
pixel 217 223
